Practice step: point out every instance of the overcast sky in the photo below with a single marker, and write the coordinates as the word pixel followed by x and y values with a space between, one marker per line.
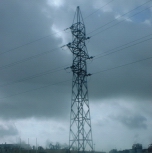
pixel 35 90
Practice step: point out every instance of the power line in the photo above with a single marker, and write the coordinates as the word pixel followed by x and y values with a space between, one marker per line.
pixel 52 50
pixel 119 22
pixel 64 30
pixel 23 45
pixel 36 88
pixel 29 43
pixel 93 73
pixel 98 9
pixel 28 58
pixel 99 55
pixel 96 57
pixel 71 79
pixel 123 65
pixel 124 44
pixel 118 18
pixel 34 76
pixel 62 68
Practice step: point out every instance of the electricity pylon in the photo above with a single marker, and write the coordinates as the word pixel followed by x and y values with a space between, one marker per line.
pixel 80 137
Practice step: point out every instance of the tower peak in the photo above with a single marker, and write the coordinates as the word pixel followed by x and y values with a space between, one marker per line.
pixel 78 16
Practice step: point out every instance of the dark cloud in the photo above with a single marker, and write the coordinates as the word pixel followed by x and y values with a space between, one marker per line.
pixel 123 92
pixel 130 81
pixel 8 130
pixel 35 105
pixel 132 121
pixel 23 22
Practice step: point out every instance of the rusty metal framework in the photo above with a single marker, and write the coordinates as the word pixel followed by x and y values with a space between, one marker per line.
pixel 80 137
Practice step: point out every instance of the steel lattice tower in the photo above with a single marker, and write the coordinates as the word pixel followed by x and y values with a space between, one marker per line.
pixel 80 123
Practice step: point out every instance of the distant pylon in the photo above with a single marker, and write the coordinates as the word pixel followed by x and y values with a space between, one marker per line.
pixel 80 137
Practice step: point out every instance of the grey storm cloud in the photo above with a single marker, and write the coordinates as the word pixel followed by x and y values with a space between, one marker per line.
pixel 35 87
pixel 26 21
pixel 37 105
pixel 132 121
pixel 8 130
pixel 23 22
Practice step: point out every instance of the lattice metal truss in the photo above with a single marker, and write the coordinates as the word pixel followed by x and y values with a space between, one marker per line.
pixel 80 137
